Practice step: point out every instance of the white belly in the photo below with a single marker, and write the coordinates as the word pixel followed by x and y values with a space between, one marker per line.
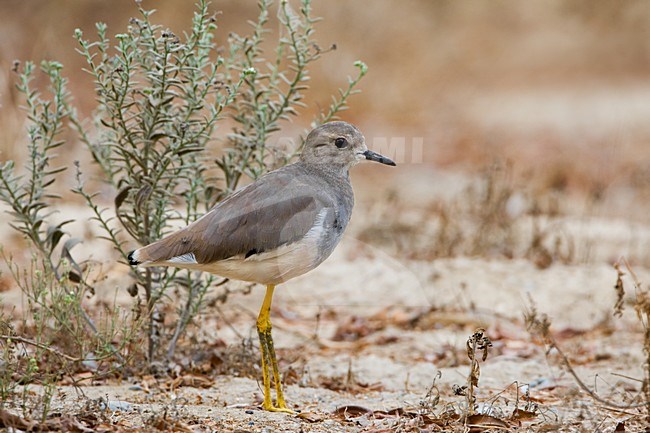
pixel 274 267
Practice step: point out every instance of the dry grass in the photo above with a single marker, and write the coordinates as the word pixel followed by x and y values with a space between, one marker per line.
pixel 492 217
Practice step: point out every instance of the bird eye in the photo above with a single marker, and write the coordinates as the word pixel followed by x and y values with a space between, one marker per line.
pixel 341 142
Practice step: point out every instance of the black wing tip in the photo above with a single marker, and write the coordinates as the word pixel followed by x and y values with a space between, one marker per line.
pixel 132 260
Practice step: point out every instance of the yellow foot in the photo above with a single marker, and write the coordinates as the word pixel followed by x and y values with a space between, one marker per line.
pixel 271 408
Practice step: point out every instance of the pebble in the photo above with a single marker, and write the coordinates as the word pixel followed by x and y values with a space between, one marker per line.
pixel 117 405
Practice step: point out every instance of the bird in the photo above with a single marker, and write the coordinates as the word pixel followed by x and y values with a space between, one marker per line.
pixel 282 225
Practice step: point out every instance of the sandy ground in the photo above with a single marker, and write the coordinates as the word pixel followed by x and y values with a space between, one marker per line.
pixel 374 330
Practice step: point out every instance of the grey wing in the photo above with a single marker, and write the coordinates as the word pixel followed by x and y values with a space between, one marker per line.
pixel 278 209
pixel 255 223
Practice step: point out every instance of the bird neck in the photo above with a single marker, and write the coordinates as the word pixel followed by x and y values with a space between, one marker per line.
pixel 334 172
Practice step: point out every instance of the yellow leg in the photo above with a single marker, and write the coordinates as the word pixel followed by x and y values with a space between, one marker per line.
pixel 268 356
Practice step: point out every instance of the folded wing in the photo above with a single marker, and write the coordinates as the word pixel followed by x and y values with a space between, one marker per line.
pixel 259 218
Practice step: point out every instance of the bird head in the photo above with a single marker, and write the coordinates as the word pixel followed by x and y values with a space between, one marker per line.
pixel 339 145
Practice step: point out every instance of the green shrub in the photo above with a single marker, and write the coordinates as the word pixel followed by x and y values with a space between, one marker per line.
pixel 160 98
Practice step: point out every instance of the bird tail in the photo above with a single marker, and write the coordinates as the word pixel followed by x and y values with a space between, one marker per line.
pixel 167 251
pixel 138 257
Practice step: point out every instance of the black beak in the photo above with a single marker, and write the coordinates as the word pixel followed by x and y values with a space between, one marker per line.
pixel 373 156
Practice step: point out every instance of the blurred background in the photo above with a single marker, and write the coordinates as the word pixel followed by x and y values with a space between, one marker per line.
pixel 559 90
